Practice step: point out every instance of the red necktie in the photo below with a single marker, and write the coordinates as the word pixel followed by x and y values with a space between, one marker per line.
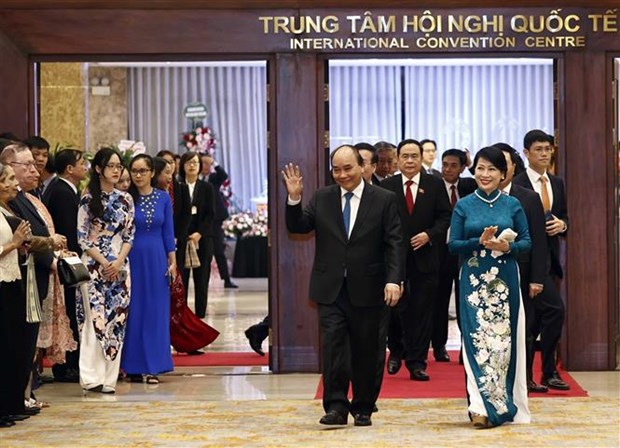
pixel 453 195
pixel 409 196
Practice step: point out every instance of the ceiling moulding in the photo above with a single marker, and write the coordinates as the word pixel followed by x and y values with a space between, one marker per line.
pixel 305 4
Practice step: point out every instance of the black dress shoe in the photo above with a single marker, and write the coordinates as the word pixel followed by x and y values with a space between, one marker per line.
pixel 6 423
pixel 393 365
pixel 375 408
pixel 538 388
pixel 31 411
pixel 229 285
pixel 555 382
pixel 16 418
pixel 441 355
pixel 256 342
pixel 333 418
pixel 68 378
pixel 362 420
pixel 419 375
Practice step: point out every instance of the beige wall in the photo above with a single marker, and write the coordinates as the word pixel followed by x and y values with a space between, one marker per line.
pixel 63 93
pixel 71 115
pixel 107 114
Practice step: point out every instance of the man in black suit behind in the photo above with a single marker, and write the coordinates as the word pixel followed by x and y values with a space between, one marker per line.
pixel 62 201
pixel 533 265
pixel 357 270
pixel 213 173
pixel 424 212
pixel 453 163
pixel 549 305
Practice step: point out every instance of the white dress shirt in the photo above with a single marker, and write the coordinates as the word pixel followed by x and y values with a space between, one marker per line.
pixel 191 190
pixel 537 184
pixel 414 186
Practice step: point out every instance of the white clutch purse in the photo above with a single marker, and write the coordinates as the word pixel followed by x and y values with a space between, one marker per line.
pixel 506 234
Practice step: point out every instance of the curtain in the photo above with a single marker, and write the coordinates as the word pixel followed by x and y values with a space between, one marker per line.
pixel 365 104
pixel 472 106
pixel 459 104
pixel 236 99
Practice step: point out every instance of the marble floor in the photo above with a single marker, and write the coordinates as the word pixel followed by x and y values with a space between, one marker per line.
pixel 231 312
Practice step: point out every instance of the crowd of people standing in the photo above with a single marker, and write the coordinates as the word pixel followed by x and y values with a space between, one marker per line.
pixel 130 226
pixel 393 235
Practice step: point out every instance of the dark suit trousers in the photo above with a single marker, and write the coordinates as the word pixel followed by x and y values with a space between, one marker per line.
pixel 73 358
pixel 201 274
pixel 219 250
pixel 544 316
pixel 448 276
pixel 350 349
pixel 387 315
pixel 395 333
pixel 416 313
pixel 17 364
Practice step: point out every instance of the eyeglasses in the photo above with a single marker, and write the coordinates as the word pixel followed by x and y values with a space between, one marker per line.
pixel 115 166
pixel 192 163
pixel 140 172
pixel 26 164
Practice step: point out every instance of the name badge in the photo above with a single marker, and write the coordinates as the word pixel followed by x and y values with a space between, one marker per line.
pixel 194 209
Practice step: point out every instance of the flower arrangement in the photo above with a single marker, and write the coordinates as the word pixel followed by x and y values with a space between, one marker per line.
pixel 201 139
pixel 246 224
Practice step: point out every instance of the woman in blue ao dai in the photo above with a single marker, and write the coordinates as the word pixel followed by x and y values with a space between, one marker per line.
pixel 488 230
pixel 153 265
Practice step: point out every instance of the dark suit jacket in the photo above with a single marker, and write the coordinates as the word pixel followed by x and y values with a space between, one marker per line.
pixel 431 214
pixel 372 256
pixel 433 172
pixel 217 179
pixel 466 185
pixel 559 209
pixel 375 180
pixel 63 204
pixel 203 200
pixel 533 264
pixel 181 211
pixel 25 209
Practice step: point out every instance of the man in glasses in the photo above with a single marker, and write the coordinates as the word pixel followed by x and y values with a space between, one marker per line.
pixel 40 148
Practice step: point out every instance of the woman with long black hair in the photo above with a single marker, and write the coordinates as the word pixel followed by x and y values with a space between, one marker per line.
pixel 105 234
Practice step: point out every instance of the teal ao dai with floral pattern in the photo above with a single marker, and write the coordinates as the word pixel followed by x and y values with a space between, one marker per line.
pixel 490 305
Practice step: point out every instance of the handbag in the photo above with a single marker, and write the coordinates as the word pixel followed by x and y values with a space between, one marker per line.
pixel 191 256
pixel 72 272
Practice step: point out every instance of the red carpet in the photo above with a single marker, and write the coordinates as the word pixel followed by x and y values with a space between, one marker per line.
pixel 448 381
pixel 213 359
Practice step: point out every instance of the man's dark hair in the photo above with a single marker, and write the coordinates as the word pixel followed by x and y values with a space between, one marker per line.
pixel 428 140
pixel 35 141
pixel 535 135
pixel 514 156
pixel 458 153
pixel 551 139
pixel 384 145
pixel 493 155
pixel 408 141
pixel 358 157
pixel 64 158
pixel 368 147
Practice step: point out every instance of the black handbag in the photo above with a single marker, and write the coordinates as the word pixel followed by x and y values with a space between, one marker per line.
pixel 72 272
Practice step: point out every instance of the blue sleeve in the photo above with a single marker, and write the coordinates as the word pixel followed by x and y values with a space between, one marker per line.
pixel 522 242
pixel 168 227
pixel 458 244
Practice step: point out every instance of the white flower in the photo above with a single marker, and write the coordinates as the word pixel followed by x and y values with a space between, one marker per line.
pixel 494 270
pixel 500 287
pixel 473 298
pixel 473 281
pixel 483 253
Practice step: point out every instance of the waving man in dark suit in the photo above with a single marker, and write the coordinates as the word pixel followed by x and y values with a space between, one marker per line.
pixel 357 270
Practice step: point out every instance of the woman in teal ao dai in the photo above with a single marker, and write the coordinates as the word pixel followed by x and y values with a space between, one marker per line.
pixel 488 230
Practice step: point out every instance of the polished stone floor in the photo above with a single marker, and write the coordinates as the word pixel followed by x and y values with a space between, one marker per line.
pixel 209 389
